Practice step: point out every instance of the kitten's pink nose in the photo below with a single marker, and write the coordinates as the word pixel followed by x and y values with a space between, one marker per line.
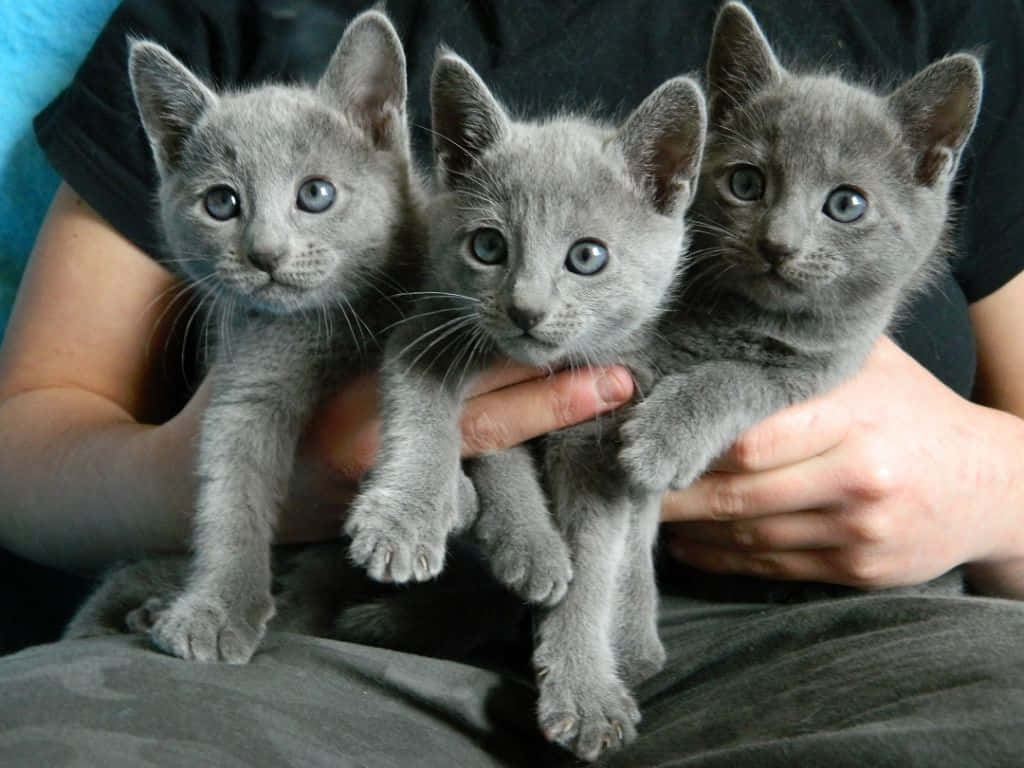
pixel 774 253
pixel 265 261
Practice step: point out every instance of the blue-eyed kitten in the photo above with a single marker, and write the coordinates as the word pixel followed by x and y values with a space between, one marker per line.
pixel 553 243
pixel 822 206
pixel 291 206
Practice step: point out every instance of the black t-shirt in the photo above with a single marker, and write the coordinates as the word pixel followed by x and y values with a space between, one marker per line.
pixel 584 54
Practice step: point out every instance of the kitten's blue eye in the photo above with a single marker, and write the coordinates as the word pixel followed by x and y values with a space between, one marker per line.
pixel 488 246
pixel 221 202
pixel 315 196
pixel 587 257
pixel 845 205
pixel 747 183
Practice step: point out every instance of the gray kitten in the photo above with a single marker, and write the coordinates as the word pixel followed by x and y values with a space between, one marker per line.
pixel 290 205
pixel 552 243
pixel 822 207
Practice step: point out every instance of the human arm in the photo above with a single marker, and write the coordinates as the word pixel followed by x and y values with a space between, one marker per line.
pixel 890 479
pixel 93 465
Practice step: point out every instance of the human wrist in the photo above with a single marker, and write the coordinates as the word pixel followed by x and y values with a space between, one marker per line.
pixel 1004 488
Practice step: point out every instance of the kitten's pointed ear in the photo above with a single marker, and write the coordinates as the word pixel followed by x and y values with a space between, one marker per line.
pixel 741 61
pixel 466 117
pixel 365 79
pixel 663 141
pixel 938 108
pixel 170 99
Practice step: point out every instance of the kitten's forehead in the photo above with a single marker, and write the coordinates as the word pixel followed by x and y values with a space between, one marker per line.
pixel 558 174
pixel 851 129
pixel 271 127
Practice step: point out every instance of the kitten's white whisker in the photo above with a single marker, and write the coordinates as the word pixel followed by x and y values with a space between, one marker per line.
pixel 460 324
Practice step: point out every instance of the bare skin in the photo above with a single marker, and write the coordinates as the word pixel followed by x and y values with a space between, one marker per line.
pixel 93 467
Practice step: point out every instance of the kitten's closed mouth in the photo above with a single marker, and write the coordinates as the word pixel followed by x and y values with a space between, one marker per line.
pixel 275 285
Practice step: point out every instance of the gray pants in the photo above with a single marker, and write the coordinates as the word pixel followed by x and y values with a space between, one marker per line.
pixel 892 679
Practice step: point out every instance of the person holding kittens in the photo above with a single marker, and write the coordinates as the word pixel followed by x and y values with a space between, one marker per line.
pixel 904 472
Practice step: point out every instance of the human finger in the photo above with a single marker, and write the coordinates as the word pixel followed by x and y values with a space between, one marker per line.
pixel 816 529
pixel 726 496
pixel 503 374
pixel 505 417
pixel 789 436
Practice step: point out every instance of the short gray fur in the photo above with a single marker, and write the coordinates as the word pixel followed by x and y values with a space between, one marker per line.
pixel 297 296
pixel 545 187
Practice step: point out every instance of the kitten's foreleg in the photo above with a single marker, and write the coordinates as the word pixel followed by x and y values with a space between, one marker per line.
pixel 416 494
pixel 519 540
pixel 690 418
pixel 246 453
pixel 639 652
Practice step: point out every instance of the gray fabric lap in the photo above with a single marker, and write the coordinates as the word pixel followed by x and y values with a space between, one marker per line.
pixel 888 679
pixel 302 701
pixel 880 680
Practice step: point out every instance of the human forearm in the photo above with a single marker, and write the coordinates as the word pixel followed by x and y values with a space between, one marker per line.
pixel 84 484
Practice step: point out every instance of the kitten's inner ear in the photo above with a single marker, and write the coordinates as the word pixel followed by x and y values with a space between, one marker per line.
pixel 365 79
pixel 466 117
pixel 938 108
pixel 663 141
pixel 741 61
pixel 171 100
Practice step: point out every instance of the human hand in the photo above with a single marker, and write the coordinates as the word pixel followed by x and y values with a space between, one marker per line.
pixel 891 479
pixel 508 404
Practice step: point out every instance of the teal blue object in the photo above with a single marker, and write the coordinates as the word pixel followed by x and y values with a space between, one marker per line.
pixel 42 42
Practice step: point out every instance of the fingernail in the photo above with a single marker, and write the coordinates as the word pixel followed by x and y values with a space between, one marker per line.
pixel 614 387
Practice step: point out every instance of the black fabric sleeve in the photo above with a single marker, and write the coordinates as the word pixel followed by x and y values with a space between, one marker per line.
pixel 991 195
pixel 91 132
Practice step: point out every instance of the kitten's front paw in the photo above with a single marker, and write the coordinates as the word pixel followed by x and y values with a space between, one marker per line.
pixel 205 628
pixel 534 564
pixel 586 712
pixel 399 539
pixel 648 453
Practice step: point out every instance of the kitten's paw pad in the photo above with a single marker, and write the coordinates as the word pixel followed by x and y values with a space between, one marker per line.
pixel 536 566
pixel 202 628
pixel 141 620
pixel 397 541
pixel 590 718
